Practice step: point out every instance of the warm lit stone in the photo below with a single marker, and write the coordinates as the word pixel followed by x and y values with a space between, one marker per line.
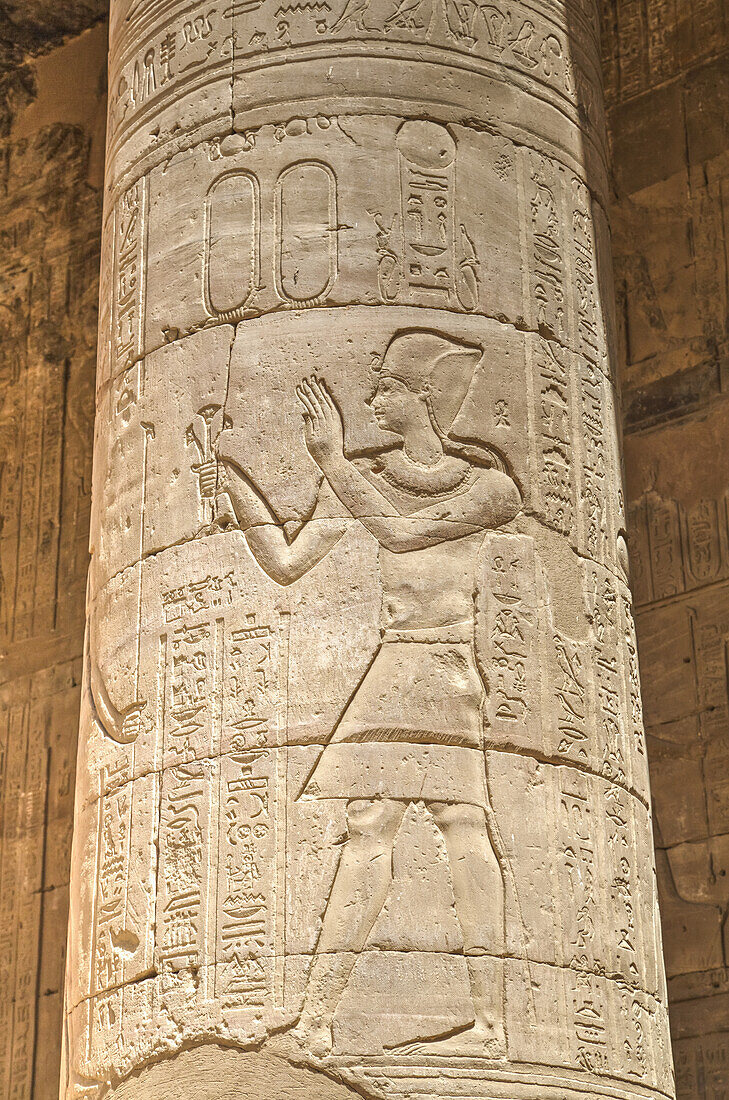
pixel 52 151
pixel 363 781
pixel 667 89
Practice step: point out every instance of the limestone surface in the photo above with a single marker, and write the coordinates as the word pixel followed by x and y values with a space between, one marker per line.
pixel 363 786
pixel 50 217
pixel 667 85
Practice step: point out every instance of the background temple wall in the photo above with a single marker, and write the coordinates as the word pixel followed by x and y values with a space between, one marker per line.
pixel 52 112
pixel 667 82
pixel 666 67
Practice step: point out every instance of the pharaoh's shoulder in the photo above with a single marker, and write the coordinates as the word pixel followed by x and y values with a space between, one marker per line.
pixel 494 494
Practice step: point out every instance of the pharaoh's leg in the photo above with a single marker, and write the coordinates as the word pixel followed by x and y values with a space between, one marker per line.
pixel 360 888
pixel 478 889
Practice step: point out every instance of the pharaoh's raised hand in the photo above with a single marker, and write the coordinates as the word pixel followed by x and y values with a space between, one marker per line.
pixel 224 517
pixel 323 425
pixel 132 723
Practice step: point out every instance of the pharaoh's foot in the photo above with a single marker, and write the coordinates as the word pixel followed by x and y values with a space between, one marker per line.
pixel 482 1040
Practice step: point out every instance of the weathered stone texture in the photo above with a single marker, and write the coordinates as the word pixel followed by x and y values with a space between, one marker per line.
pixel 668 85
pixel 667 73
pixel 35 25
pixel 680 558
pixel 50 214
pixel 29 28
pixel 362 777
pixel 667 69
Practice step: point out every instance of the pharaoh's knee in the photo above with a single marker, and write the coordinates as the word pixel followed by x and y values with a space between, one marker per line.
pixel 370 825
pixel 453 817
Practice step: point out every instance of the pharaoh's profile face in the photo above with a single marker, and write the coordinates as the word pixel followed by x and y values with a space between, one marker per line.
pixel 392 404
pixel 396 407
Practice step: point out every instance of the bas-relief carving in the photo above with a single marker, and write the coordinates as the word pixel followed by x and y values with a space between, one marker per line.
pixel 48 272
pixel 685 647
pixel 518 36
pixel 224 758
pixel 24 779
pixel 702 1066
pixel 416 245
pixel 420 246
pixel 172 68
pixel 170 72
pixel 180 42
pixel 675 547
pixel 425 640
pixel 183 39
pixel 678 527
pixel 363 774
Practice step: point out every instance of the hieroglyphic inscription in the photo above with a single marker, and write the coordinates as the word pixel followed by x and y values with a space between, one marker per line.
pixel 439 258
pixel 23 780
pixel 604 614
pixel 244 918
pixel 129 277
pixel 198 596
pixel 182 883
pixel 425 251
pixel 552 370
pixel 510 34
pixel 635 710
pixel 579 876
pixel 572 698
pixel 427 187
pixel 191 691
pixel 665 539
pixel 703 541
pixel 702 1064
pixel 590 333
pixel 594 461
pixel 108 933
pixel 178 50
pixel 398 680
pixel 623 948
pixel 220 840
pixel 676 547
pixel 191 654
pixel 712 660
pixel 252 798
pixel 627 943
pixel 597 413
pixel 507 639
pixel 547 260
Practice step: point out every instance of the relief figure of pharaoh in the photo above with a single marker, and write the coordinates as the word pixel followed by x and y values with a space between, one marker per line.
pixel 412 731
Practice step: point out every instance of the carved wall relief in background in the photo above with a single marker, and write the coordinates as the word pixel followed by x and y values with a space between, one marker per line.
pixel 50 211
pixel 668 108
pixel 679 555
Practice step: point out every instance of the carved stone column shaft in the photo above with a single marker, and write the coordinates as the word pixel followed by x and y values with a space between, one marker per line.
pixel 363 791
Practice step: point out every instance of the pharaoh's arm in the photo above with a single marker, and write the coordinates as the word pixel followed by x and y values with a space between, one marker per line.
pixel 490 502
pixel 283 560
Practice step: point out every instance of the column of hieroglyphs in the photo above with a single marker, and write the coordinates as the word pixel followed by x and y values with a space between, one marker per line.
pixel 363 790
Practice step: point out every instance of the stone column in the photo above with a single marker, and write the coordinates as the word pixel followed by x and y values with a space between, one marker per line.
pixel 363 804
